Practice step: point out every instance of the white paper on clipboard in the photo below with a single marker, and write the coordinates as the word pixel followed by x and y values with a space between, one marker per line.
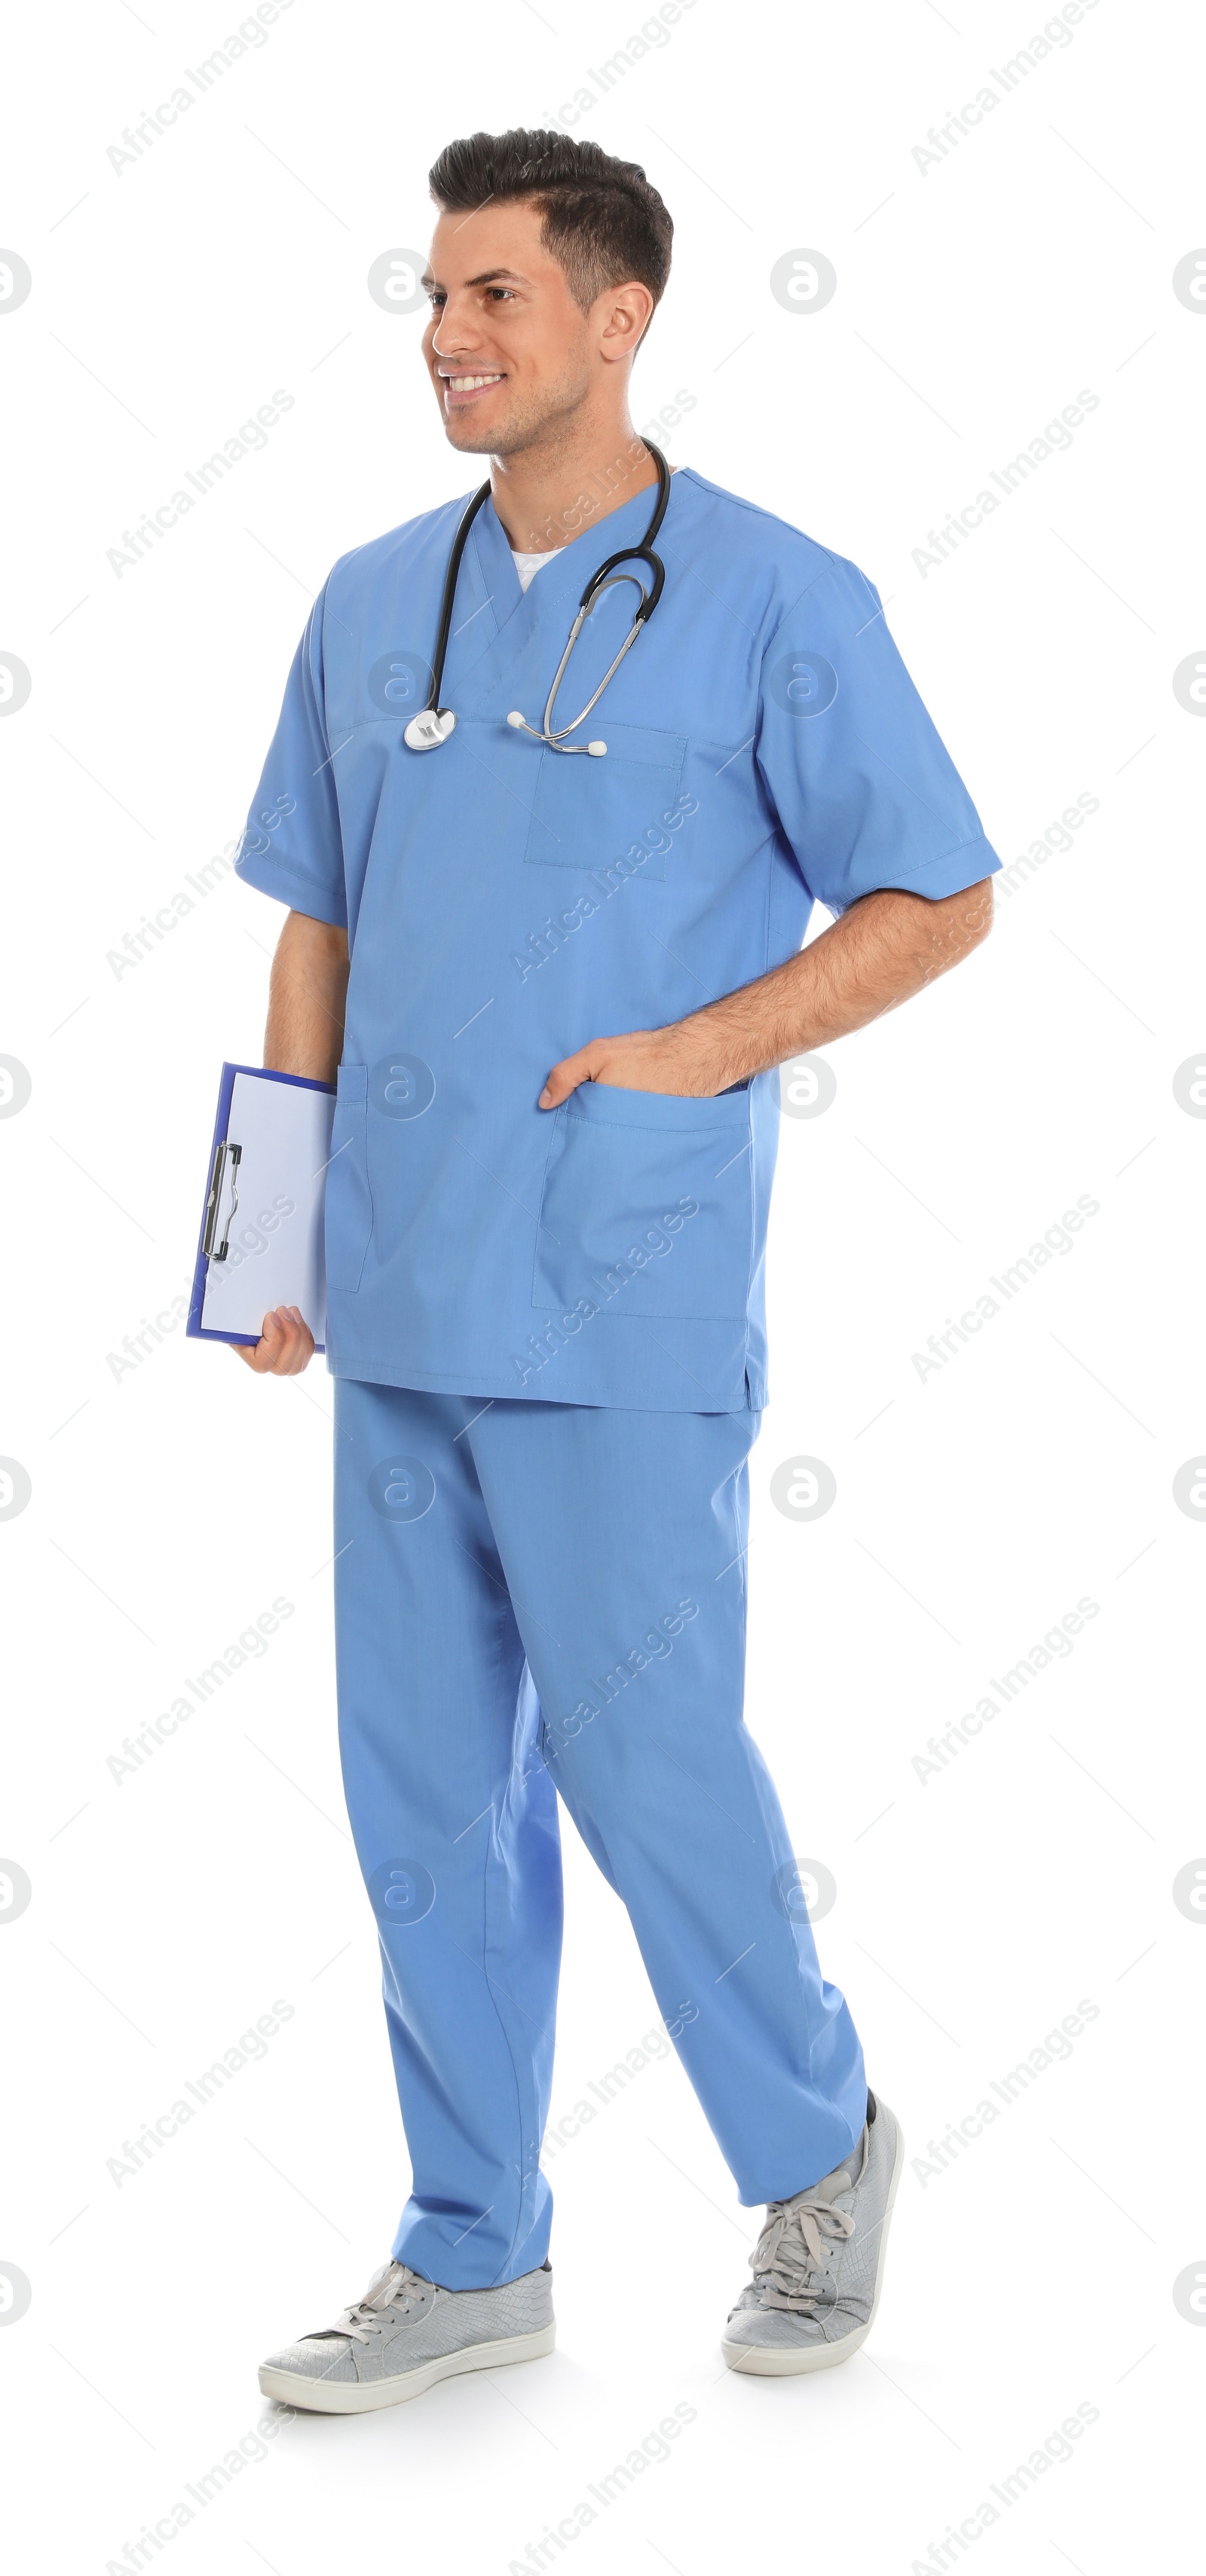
pixel 274 1197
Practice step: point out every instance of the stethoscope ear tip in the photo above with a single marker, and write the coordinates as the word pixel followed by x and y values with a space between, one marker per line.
pixel 515 718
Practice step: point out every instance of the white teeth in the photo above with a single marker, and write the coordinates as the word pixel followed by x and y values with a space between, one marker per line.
pixel 469 384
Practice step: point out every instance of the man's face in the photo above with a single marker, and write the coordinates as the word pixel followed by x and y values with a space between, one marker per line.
pixel 508 350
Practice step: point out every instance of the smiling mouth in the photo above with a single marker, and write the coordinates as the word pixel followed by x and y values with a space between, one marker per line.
pixel 468 388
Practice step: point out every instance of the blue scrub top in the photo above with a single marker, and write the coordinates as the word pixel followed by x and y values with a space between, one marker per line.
pixel 506 904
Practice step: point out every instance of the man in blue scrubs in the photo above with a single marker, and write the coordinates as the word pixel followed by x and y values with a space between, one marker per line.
pixel 555 985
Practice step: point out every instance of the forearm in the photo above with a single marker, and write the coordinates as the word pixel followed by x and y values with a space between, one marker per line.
pixel 883 951
pixel 306 998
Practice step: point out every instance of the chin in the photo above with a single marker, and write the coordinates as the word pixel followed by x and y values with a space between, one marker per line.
pixel 469 442
pixel 474 436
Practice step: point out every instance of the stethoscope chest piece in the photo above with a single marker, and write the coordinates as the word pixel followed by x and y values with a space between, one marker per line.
pixel 427 731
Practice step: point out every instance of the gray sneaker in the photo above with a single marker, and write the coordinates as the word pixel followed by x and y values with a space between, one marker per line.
pixel 404 2334
pixel 819 2262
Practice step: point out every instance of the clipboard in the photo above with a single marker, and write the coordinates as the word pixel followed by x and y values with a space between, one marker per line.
pixel 260 1243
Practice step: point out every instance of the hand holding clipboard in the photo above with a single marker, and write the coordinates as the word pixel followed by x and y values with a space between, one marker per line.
pixel 261 1239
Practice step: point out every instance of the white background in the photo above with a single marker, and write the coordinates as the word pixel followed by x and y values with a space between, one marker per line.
pixel 171 1503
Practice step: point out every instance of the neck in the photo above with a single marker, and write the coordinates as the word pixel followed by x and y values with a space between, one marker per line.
pixel 545 495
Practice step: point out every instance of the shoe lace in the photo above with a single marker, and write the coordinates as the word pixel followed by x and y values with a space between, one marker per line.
pixel 790 2253
pixel 391 2287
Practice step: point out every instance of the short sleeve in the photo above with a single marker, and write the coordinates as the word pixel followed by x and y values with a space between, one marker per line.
pixel 866 794
pixel 292 847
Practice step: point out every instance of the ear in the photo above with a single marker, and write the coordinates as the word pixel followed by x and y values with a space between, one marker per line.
pixel 623 316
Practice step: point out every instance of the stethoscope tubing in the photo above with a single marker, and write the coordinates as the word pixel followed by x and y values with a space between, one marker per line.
pixel 602 580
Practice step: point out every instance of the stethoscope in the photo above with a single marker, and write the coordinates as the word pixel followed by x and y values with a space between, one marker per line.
pixel 428 730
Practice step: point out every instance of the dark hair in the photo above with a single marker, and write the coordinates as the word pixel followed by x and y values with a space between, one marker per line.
pixel 603 222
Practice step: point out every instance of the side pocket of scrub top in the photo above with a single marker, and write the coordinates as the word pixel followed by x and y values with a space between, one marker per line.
pixel 349 1202
pixel 647 1206
pixel 597 814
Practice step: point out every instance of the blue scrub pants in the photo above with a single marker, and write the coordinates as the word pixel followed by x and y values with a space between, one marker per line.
pixel 533 1598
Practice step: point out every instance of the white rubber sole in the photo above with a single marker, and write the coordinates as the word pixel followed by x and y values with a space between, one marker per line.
pixel 363 2397
pixel 764 2361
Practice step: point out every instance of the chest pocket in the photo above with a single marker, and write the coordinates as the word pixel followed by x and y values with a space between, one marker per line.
pixel 589 813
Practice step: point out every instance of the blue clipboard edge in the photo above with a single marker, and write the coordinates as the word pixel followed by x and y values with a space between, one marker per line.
pixel 195 1330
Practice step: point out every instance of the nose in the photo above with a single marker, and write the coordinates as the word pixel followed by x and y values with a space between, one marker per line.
pixel 455 349
pixel 453 336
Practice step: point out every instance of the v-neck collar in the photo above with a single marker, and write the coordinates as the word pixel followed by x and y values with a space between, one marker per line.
pixel 561 582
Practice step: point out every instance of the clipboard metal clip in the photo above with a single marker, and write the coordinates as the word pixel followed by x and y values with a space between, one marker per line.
pixel 226 1154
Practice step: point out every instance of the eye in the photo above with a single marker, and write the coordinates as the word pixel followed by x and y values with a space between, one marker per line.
pixel 505 294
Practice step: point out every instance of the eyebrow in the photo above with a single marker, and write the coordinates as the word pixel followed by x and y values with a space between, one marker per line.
pixel 488 277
